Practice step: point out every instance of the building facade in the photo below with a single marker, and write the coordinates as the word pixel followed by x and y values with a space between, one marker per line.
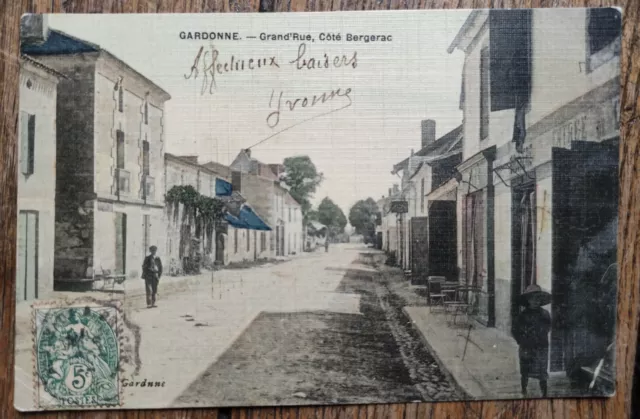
pixel 110 168
pixel 36 179
pixel 271 200
pixel 538 188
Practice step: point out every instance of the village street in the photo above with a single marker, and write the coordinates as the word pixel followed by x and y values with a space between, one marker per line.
pixel 321 327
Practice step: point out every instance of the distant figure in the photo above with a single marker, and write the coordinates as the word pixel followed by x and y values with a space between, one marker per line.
pixel 531 332
pixel 326 244
pixel 151 273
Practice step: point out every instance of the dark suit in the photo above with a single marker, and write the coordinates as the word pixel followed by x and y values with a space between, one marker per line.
pixel 151 273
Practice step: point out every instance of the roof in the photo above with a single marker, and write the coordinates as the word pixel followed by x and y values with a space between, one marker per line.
pixel 445 146
pixel 463 30
pixel 60 43
pixel 219 168
pixel 186 161
pixel 316 225
pixel 291 200
pixel 42 66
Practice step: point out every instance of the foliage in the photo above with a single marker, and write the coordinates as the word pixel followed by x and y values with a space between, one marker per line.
pixel 332 216
pixel 196 205
pixel 362 216
pixel 303 178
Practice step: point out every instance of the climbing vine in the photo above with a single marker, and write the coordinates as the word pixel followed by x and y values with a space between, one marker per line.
pixel 199 211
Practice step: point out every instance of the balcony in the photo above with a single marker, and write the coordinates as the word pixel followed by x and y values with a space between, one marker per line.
pixel 148 188
pixel 123 184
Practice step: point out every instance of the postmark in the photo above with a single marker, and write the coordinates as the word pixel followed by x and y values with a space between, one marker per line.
pixel 77 355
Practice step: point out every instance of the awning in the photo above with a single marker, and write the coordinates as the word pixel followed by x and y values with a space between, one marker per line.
pixel 223 188
pixel 247 219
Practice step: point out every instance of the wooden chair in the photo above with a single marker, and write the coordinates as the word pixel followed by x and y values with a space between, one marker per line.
pixel 603 371
pixel 435 294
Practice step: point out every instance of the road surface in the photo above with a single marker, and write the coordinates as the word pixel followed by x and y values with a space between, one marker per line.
pixel 321 328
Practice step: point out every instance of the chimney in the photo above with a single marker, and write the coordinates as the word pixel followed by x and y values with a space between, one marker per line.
pixel 33 29
pixel 396 188
pixel 248 152
pixel 428 132
pixel 390 191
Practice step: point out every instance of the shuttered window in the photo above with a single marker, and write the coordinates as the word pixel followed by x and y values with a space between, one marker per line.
pixel 27 142
pixel 120 149
pixel 604 28
pixel 484 93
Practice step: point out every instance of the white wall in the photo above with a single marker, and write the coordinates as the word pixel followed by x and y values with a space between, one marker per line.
pixel 108 119
pixel 500 122
pixel 104 256
pixel 36 192
pixel 559 73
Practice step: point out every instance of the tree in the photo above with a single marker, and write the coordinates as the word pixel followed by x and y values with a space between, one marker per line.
pixel 332 216
pixel 362 216
pixel 301 175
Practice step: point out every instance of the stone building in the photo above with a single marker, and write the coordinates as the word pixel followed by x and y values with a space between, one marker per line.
pixel 36 179
pixel 110 166
pixel 537 196
pixel 260 183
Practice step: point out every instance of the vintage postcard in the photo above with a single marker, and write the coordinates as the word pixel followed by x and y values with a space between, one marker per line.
pixel 316 208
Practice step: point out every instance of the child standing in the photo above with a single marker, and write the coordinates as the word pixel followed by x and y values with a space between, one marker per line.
pixel 531 332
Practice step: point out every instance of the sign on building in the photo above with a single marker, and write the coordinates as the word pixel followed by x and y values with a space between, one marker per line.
pixel 400 207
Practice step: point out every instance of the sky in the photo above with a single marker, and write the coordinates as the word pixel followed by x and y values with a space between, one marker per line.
pixel 354 138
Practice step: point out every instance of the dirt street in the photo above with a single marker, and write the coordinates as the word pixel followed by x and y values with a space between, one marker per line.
pixel 314 357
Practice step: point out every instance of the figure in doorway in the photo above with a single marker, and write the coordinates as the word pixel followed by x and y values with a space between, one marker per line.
pixel 531 332
pixel 151 273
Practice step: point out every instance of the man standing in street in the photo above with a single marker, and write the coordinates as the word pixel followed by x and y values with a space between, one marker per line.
pixel 151 273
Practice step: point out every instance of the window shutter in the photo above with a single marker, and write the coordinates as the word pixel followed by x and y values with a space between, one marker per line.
pixel 31 138
pixel 24 142
pixel 510 57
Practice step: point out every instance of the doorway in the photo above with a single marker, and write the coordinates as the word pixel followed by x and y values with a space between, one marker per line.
pixel 121 243
pixel 27 266
pixel 523 241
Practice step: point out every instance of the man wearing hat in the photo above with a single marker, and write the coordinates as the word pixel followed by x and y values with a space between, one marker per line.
pixel 531 332
pixel 151 273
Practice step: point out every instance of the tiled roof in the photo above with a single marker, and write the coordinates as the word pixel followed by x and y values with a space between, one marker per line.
pixel 60 43
pixel 448 143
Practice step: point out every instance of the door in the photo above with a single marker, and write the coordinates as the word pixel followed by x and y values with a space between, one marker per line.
pixel 27 266
pixel 585 217
pixel 121 243
pixel 442 239
pixel 255 245
pixel 523 241
pixel 277 241
pixel 219 248
pixel 419 247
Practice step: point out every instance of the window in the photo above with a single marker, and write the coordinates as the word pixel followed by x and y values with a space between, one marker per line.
pixel 146 229
pixel 120 149
pixel 289 214
pixel 484 93
pixel 263 241
pixel 235 240
pixel 604 29
pixel 422 195
pixel 248 240
pixel 120 98
pixel 145 157
pixel 146 112
pixel 27 263
pixel 27 142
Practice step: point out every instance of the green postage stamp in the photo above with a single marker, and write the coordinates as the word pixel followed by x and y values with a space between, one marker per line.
pixel 77 356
